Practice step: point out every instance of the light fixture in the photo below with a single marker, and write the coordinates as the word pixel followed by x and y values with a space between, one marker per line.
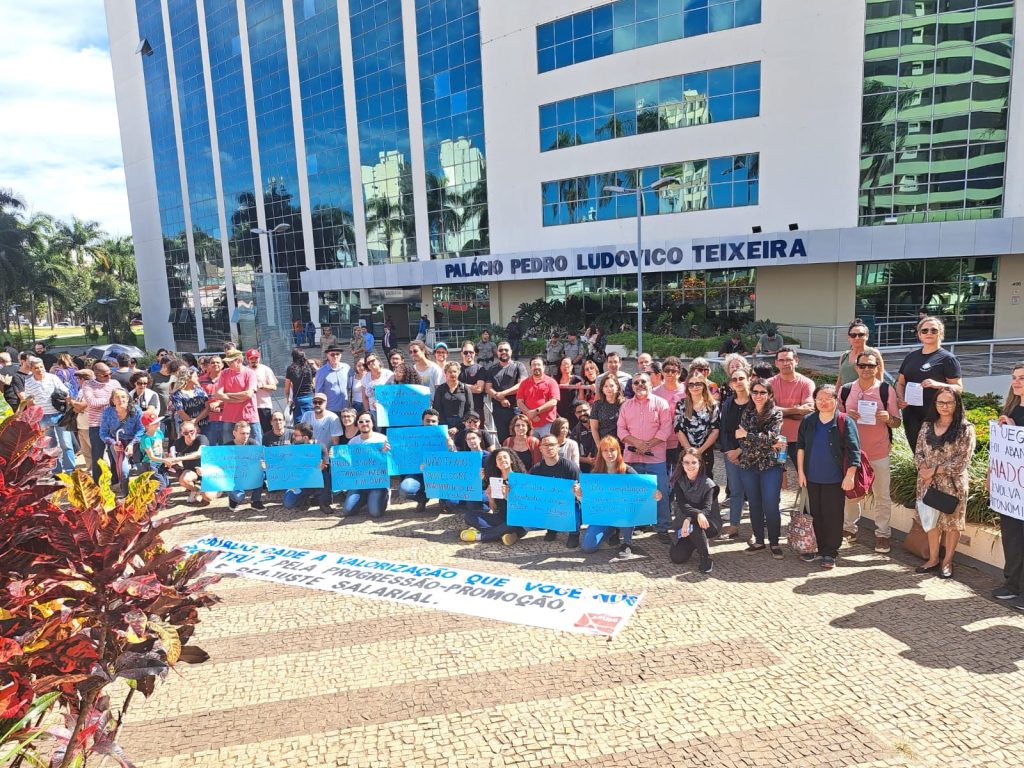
pixel 756 229
pixel 890 219
pixel 794 227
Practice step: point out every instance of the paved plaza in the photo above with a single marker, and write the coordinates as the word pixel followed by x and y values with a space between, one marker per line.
pixel 762 663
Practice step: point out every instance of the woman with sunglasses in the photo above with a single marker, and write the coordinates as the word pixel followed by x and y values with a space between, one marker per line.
pixel 733 405
pixel 697 421
pixel 944 449
pixel 1012 528
pixel 857 333
pixel 760 471
pixel 925 372
pixel 700 366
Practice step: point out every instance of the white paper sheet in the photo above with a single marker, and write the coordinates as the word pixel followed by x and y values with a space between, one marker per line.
pixel 497 488
pixel 867 410
pixel 914 393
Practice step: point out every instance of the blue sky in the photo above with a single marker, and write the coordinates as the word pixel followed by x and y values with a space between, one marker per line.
pixel 60 149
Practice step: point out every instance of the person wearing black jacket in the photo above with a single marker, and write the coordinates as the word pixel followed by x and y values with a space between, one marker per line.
pixel 453 399
pixel 729 417
pixel 696 517
pixel 827 458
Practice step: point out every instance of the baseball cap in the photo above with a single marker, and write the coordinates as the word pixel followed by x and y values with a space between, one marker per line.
pixel 440 345
pixel 149 418
pixel 320 396
pixel 252 353
pixel 471 415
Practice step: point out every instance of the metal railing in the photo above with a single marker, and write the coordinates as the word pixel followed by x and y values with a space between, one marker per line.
pixel 894 333
pixel 981 358
pixel 820 338
pixel 456 335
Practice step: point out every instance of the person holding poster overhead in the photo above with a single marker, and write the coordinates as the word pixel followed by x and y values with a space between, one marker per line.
pixel 374 499
pixel 1012 528
pixel 695 512
pixel 491 525
pixel 944 449
pixel 924 373
pixel 553 465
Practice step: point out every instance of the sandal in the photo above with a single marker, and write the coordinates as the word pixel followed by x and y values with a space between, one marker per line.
pixel 946 572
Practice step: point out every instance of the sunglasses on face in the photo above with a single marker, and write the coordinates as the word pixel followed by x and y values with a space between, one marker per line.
pixel 865 366
pixel 695 385
pixel 929 331
pixel 759 392
pixel 857 335
pixel 734 379
pixel 670 369
pixel 640 383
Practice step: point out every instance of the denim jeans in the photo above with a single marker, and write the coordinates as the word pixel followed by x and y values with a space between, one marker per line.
pixel 301 406
pixel 237 497
pixel 227 434
pixel 375 500
pixel 99 451
pixel 411 487
pixel 492 525
pixel 595 535
pixel 63 440
pixel 293 497
pixel 763 488
pixel 734 479
pixel 658 470
pixel 212 432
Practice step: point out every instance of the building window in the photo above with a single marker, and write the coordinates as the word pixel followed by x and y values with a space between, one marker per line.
pixel 451 93
pixel 628 24
pixel 460 307
pixel 698 98
pixel 934 110
pixel 722 298
pixel 961 292
pixel 719 182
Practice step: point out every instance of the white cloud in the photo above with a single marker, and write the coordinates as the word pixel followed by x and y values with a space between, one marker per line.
pixel 60 148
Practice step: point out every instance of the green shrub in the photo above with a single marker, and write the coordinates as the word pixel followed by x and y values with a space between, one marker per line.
pixel 991 400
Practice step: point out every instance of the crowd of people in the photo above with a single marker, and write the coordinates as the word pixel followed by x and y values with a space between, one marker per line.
pixel 567 411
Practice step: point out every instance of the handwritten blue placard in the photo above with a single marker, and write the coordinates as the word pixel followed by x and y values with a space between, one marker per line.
pixel 293 466
pixel 541 502
pixel 401 405
pixel 623 501
pixel 410 445
pixel 231 467
pixel 359 467
pixel 453 475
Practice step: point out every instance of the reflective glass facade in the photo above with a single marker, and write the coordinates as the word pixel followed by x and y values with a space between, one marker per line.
pixel 936 93
pixel 462 306
pixel 451 93
pixel 235 152
pixel 168 178
pixel 720 182
pixel 960 291
pixel 325 133
pixel 202 192
pixel 698 98
pixel 628 24
pixel 382 110
pixel 276 137
pixel 726 294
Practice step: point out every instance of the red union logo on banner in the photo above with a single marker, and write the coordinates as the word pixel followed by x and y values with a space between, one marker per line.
pixel 600 623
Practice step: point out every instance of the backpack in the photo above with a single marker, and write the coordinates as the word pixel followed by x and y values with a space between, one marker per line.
pixel 883 394
pixel 864 477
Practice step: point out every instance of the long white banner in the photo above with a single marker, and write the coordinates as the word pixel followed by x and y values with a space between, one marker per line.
pixel 1006 469
pixel 504 598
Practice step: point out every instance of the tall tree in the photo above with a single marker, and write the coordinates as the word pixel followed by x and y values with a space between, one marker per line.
pixel 82 240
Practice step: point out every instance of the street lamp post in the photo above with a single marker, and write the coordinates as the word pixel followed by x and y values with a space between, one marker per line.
pixel 638 191
pixel 267 283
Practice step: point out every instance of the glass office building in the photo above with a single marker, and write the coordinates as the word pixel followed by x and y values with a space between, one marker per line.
pixel 337 163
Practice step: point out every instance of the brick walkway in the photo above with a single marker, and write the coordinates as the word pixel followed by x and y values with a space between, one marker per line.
pixel 763 663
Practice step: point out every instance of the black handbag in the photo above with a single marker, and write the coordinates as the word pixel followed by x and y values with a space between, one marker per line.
pixel 944 502
pixel 59 401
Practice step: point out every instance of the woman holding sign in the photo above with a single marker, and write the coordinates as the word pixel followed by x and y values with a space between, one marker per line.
pixel 609 461
pixel 491 525
pixel 695 511
pixel 1012 528
pixel 924 373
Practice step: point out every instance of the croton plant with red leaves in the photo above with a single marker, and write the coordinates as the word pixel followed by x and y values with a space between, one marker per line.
pixel 89 594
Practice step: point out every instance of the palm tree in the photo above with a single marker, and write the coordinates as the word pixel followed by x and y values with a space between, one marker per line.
pixel 82 240
pixel 386 217
pixel 445 207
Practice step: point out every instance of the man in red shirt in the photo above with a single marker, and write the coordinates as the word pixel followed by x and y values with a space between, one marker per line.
pixel 794 394
pixel 537 398
pixel 236 389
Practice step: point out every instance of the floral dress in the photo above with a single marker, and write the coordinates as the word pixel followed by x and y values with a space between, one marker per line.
pixel 954 458
pixel 698 426
pixel 756 449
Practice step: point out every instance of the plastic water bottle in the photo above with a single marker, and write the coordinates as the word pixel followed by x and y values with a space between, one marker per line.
pixel 781 453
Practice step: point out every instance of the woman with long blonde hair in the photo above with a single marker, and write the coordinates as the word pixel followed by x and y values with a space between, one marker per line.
pixel 697 421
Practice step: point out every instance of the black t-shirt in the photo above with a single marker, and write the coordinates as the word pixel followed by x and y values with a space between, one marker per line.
pixel 180 449
pixel 1018 415
pixel 452 405
pixel 472 375
pixel 301 379
pixel 939 365
pixel 563 468
pixel 271 439
pixel 505 378
pixel 17 384
pixel 489 443
pixel 121 377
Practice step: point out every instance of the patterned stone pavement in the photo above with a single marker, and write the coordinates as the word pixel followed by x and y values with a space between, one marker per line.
pixel 762 663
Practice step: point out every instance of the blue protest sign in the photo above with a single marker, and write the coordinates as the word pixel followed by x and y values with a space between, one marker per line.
pixel 453 475
pixel 293 466
pixel 359 467
pixel 231 467
pixel 410 445
pixel 401 405
pixel 623 501
pixel 541 502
